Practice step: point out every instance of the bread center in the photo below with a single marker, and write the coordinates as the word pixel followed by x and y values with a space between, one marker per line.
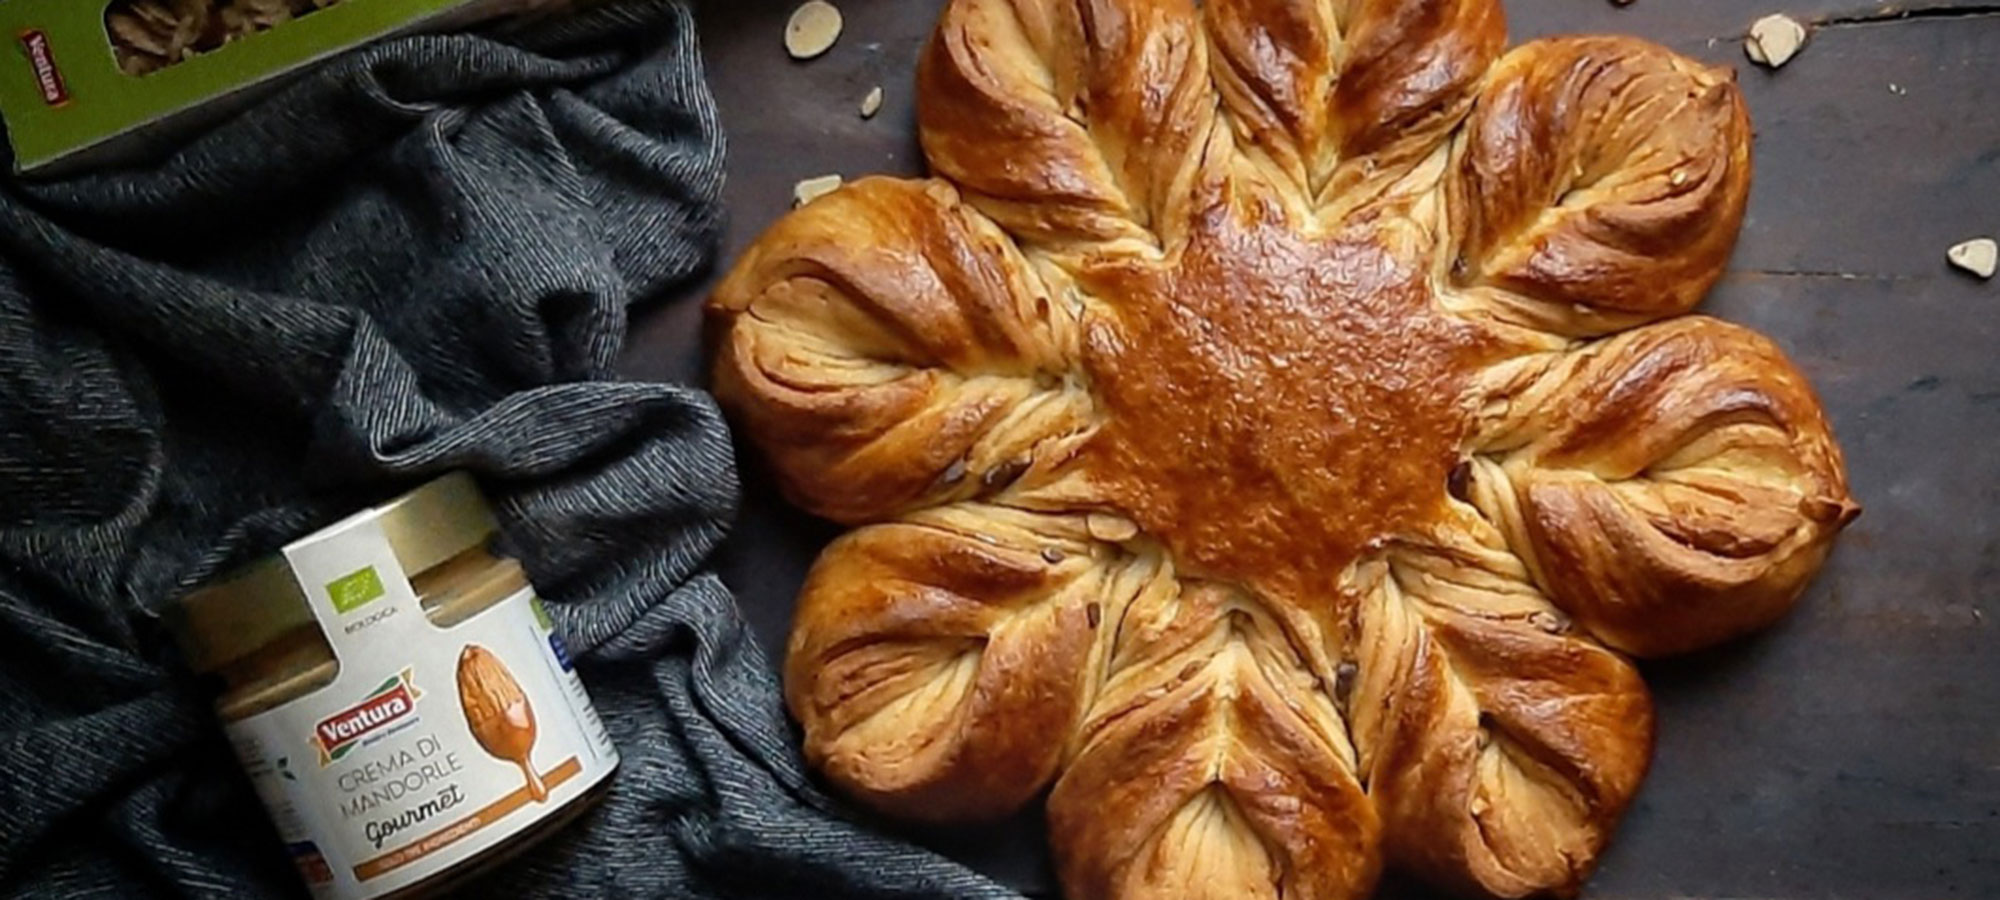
pixel 1277 402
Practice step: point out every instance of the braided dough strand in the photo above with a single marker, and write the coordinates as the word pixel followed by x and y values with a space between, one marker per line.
pixel 922 363
pixel 1672 487
pixel 1599 184
pixel 1214 764
pixel 1500 744
pixel 939 664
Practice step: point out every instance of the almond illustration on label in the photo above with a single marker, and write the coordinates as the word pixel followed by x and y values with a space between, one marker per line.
pixel 498 712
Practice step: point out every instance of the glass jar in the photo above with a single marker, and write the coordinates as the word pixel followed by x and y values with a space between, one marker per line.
pixel 399 698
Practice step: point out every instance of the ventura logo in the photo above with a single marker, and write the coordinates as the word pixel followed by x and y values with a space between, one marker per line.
pixel 44 64
pixel 392 702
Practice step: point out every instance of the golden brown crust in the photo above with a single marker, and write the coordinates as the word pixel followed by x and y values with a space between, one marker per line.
pixel 896 370
pixel 1501 743
pixel 1212 764
pixel 1599 184
pixel 1409 74
pixel 1252 449
pixel 1069 121
pixel 1673 487
pixel 1333 94
pixel 1225 328
pixel 939 664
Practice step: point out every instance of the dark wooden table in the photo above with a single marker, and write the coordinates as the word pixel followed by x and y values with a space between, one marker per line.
pixel 1854 751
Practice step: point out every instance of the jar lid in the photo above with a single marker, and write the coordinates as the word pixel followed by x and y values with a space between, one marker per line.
pixel 251 607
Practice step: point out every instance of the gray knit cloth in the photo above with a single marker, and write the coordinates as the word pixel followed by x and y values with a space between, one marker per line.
pixel 420 258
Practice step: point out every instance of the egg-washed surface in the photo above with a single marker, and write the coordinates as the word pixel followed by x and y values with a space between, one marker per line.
pixel 1270 433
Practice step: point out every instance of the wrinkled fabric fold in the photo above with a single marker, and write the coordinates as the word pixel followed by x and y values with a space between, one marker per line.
pixel 417 259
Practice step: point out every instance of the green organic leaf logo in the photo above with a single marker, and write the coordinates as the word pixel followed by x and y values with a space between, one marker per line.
pixel 354 590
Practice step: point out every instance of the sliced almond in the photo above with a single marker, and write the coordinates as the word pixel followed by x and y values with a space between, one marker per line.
pixel 872 103
pixel 814 188
pixel 1774 40
pixel 1980 256
pixel 1107 527
pixel 813 28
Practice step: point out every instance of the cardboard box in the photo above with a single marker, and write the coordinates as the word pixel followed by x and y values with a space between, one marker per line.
pixel 68 103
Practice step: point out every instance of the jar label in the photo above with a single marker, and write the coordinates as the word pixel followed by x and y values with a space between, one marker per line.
pixel 432 743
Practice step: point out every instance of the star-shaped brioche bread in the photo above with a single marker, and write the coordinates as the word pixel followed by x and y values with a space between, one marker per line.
pixel 1269 434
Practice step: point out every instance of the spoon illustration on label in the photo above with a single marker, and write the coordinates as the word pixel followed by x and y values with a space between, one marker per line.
pixel 498 713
